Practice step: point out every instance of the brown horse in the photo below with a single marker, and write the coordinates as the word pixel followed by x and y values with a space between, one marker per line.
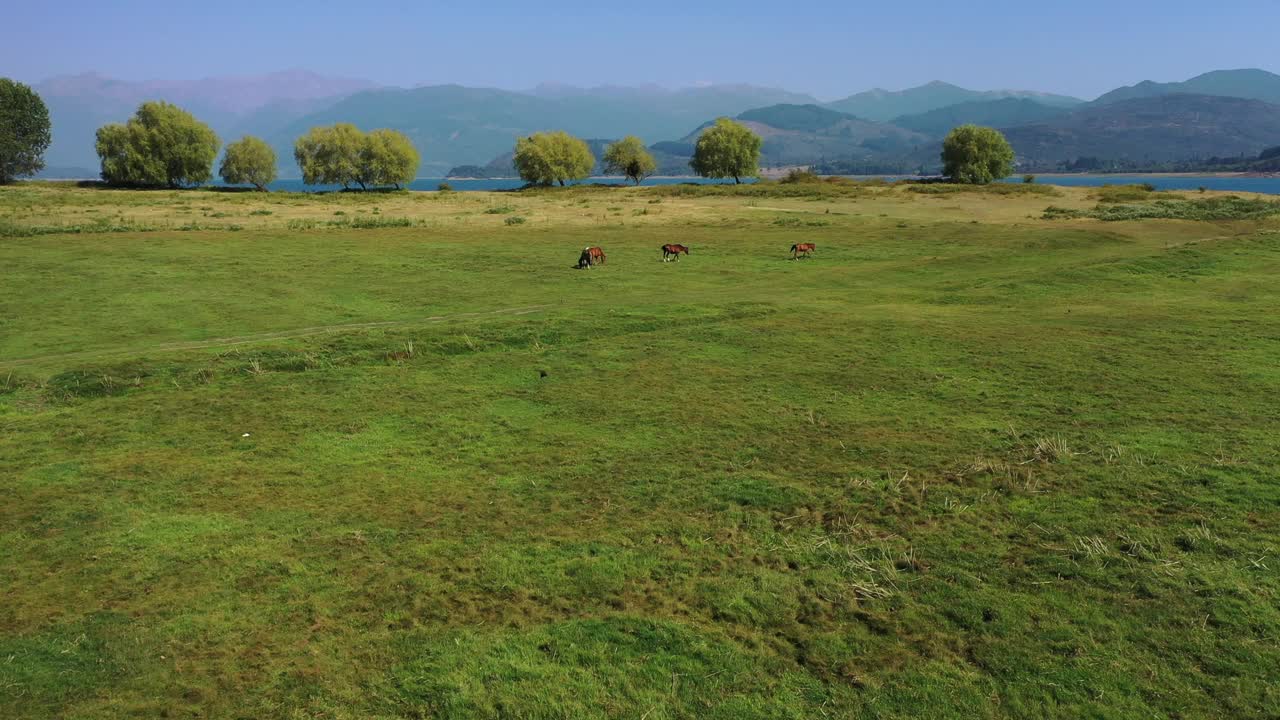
pixel 800 250
pixel 597 255
pixel 673 251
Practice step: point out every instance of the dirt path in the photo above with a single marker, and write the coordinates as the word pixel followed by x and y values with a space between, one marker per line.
pixel 236 340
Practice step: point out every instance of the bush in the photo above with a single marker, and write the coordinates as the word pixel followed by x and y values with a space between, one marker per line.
pixel 444 187
pixel 514 220
pixel 1123 193
pixel 800 176
pixel 992 189
pixel 1230 207
pixel 1028 179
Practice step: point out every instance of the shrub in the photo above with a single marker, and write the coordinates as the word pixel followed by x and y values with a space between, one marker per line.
pixel 1028 179
pixel 514 220
pixel 444 187
pixel 804 175
pixel 992 189
pixel 1230 207
pixel 1122 193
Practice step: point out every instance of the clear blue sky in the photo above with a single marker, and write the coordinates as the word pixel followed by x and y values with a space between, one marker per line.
pixel 831 48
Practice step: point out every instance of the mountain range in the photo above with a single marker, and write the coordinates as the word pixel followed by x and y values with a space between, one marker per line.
pixel 454 125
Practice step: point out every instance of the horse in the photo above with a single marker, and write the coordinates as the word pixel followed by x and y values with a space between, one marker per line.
pixel 800 250
pixel 584 260
pixel 673 251
pixel 597 255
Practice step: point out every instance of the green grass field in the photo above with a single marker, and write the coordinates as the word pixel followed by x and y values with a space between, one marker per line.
pixel 260 462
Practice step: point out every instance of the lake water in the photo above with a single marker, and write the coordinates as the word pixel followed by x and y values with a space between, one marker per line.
pixel 504 184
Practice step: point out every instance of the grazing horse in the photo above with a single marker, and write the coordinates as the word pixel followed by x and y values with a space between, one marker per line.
pixel 673 251
pixel 800 250
pixel 584 260
pixel 597 255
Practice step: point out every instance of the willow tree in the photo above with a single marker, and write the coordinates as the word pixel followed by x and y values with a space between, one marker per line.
pixel 162 144
pixel 976 155
pixel 343 155
pixel 388 157
pixel 727 149
pixel 249 160
pixel 631 158
pixel 553 157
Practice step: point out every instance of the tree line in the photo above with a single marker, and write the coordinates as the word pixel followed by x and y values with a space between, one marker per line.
pixel 163 145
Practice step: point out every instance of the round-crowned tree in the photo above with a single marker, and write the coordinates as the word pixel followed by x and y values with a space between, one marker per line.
pixel 552 157
pixel 249 160
pixel 727 149
pixel 631 158
pixel 388 157
pixel 976 155
pixel 162 144
pixel 24 131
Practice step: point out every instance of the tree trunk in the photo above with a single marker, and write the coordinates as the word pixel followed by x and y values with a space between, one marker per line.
pixel 736 181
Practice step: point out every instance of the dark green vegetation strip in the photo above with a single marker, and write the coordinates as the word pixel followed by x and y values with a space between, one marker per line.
pixel 1228 207
pixel 950 470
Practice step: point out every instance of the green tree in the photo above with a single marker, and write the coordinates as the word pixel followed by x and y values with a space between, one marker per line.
pixel 976 155
pixel 553 157
pixel 249 160
pixel 727 149
pixel 343 155
pixel 162 144
pixel 630 157
pixel 388 157
pixel 24 131
pixel 331 155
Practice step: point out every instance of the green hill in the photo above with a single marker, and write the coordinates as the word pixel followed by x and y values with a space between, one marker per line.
pixel 882 105
pixel 1004 112
pixel 1250 84
pixel 1151 130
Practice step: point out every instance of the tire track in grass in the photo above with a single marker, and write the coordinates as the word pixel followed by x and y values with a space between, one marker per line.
pixel 236 340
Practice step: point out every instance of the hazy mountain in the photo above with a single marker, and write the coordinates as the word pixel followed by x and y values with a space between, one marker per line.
pixel 80 104
pixel 1151 130
pixel 1004 112
pixel 453 125
pixel 882 105
pixel 1250 84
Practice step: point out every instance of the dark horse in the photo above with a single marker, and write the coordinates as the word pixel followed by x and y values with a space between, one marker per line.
pixel 802 250
pixel 584 260
pixel 673 251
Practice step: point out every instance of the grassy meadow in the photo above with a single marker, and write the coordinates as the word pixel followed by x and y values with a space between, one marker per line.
pixel 389 456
